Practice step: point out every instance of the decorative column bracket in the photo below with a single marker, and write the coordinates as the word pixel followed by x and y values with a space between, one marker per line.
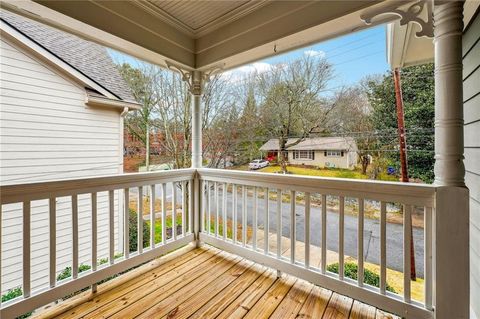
pixel 195 83
pixel 411 14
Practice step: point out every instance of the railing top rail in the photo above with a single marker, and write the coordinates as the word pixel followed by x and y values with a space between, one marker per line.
pixel 407 193
pixel 66 187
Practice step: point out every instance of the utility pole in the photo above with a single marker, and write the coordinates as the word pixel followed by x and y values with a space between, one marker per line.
pixel 403 155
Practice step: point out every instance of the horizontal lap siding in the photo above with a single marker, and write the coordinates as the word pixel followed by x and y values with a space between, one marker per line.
pixel 471 95
pixel 47 133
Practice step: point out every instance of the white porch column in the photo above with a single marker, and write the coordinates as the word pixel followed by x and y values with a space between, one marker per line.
pixel 449 167
pixel 451 228
pixel 196 90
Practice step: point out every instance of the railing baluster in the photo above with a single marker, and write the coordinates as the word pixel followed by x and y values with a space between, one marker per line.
pixel 74 236
pixel 255 221
pixel 428 256
pixel 360 241
pixel 279 223
pixel 266 221
pixel 215 204
pixel 94 236
pixel 190 207
pixel 26 249
pixel 203 202
pixel 244 215
pixel 152 216
pixel 1 217
pixel 164 213
pixel 126 222
pixel 140 220
pixel 174 210
pixel 383 247
pixel 111 226
pixel 234 223
pixel 52 206
pixel 184 205
pixel 323 265
pixel 307 230
pixel 224 209
pixel 407 237
pixel 209 207
pixel 341 237
pixel 293 223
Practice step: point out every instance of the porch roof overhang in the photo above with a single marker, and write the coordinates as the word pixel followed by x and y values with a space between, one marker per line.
pixel 405 49
pixel 205 34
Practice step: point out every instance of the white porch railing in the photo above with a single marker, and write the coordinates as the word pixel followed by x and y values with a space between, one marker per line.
pixel 178 180
pixel 210 203
pixel 221 186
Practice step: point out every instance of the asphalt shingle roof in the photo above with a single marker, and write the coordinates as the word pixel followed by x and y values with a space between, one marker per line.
pixel 91 59
pixel 315 143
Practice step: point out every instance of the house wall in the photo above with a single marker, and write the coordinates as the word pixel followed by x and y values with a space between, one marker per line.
pixel 348 160
pixel 47 133
pixel 471 96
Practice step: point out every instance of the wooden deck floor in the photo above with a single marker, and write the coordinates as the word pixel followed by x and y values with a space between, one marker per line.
pixel 209 283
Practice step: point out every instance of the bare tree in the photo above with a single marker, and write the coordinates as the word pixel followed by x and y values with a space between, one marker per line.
pixel 293 103
pixel 141 81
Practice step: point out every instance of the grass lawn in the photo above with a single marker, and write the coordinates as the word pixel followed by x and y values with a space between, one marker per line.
pixel 323 172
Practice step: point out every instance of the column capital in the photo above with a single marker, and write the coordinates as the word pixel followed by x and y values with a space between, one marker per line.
pixel 195 79
pixel 419 12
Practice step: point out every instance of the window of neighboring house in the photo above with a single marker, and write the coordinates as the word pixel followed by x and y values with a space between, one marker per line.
pixel 333 153
pixel 306 155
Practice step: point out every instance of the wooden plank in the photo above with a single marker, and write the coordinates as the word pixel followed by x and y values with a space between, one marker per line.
pixel 293 301
pixel 186 308
pixel 111 290
pixel 218 303
pixel 136 301
pixel 272 298
pixel 384 315
pixel 249 297
pixel 362 311
pixel 162 301
pixel 338 307
pixel 316 303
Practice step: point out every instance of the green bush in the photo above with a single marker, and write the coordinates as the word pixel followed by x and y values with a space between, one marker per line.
pixel 351 271
pixel 133 231
pixel 12 294
pixel 67 272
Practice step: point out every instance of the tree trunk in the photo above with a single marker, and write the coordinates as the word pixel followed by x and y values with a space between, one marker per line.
pixel 282 155
pixel 364 160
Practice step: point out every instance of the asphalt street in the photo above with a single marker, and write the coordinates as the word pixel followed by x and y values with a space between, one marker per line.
pixel 371 231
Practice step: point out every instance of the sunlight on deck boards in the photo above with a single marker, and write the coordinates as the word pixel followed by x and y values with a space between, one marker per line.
pixel 209 283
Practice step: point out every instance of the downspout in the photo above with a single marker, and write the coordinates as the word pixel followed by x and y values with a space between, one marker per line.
pixel 120 171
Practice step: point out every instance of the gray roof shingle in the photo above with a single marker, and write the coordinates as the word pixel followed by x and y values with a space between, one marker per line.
pixel 315 143
pixel 89 58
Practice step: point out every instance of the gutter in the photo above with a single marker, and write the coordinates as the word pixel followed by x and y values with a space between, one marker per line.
pixel 98 101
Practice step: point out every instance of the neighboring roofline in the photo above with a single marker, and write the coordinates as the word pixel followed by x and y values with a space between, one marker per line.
pixel 52 59
pixel 314 148
pixel 99 101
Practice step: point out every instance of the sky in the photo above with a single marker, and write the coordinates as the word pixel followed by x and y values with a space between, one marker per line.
pixel 353 56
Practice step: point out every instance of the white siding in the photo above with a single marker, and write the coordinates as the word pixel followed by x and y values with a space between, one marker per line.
pixel 47 133
pixel 471 92
pixel 348 160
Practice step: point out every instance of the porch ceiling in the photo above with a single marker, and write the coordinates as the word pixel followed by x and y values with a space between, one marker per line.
pixel 200 34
